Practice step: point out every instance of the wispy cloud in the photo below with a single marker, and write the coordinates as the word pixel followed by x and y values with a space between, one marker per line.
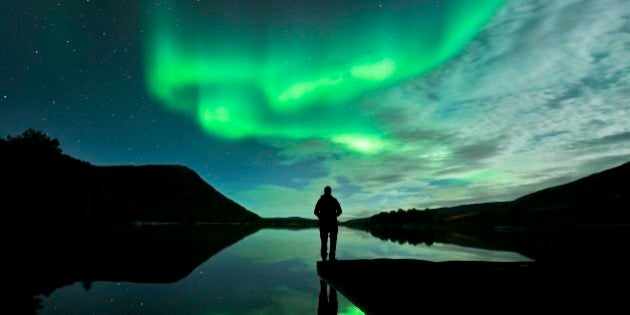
pixel 537 99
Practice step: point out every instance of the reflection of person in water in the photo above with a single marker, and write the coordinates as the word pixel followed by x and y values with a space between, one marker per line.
pixel 327 210
pixel 327 304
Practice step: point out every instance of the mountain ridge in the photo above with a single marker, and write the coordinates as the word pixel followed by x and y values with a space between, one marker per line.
pixel 596 198
pixel 41 184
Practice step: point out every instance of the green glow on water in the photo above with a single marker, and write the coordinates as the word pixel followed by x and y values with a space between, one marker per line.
pixel 351 310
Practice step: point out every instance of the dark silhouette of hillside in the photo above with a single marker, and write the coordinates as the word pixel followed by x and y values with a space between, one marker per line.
pixel 292 223
pixel 601 198
pixel 561 223
pixel 40 184
pixel 161 193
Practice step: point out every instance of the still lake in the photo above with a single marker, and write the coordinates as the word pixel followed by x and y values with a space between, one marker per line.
pixel 272 271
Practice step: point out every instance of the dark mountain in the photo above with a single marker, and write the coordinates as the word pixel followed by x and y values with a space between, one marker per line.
pixel 601 198
pixel 40 184
pixel 564 223
pixel 289 223
pixel 162 193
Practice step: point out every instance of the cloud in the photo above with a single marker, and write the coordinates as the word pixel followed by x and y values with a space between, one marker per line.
pixel 478 151
pixel 614 139
pixel 537 99
pixel 448 182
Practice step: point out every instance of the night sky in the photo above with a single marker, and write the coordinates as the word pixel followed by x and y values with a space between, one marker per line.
pixel 395 104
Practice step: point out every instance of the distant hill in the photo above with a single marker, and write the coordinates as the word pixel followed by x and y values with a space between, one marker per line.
pixel 289 223
pixel 601 198
pixel 39 183
pixel 161 193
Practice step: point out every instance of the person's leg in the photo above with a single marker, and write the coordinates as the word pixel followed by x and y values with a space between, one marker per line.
pixel 333 242
pixel 322 304
pixel 332 301
pixel 323 236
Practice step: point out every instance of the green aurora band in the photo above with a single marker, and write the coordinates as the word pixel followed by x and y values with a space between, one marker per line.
pixel 298 71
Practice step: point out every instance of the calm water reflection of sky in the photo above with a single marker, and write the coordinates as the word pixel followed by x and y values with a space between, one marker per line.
pixel 269 272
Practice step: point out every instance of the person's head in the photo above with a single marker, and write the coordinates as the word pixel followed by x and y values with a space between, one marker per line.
pixel 327 190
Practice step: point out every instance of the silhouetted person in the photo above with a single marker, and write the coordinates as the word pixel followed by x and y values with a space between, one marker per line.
pixel 327 304
pixel 327 210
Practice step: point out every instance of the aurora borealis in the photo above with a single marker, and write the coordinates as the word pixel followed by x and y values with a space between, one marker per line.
pixel 251 70
pixel 395 104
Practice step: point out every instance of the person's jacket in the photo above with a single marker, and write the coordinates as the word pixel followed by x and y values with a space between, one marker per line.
pixel 327 209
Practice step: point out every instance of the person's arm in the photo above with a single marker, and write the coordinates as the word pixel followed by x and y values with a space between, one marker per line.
pixel 338 207
pixel 317 210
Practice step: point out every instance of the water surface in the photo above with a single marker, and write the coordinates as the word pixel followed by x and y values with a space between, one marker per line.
pixel 272 271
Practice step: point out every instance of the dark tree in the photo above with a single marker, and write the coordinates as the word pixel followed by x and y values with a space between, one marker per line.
pixel 35 140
